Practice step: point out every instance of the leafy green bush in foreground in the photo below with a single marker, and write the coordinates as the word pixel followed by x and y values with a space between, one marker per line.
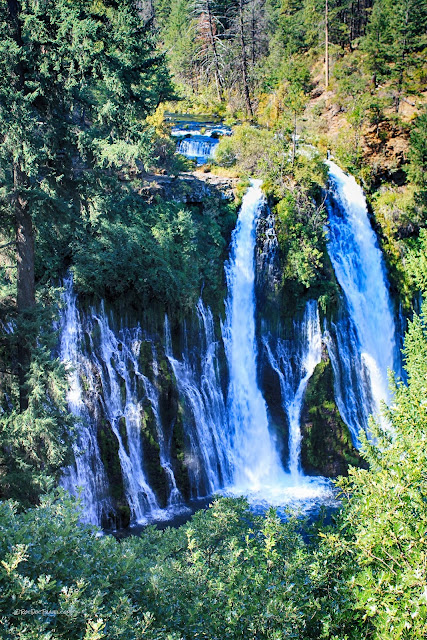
pixel 226 574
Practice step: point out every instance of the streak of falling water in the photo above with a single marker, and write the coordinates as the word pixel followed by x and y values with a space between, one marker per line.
pixel 294 362
pixel 205 418
pixel 86 476
pixel 117 365
pixel 175 498
pixel 359 267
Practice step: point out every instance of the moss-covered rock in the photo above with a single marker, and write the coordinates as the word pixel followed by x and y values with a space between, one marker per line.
pixel 109 449
pixel 119 518
pixel 327 447
pixel 151 450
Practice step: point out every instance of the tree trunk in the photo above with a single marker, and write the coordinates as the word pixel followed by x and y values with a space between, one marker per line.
pixel 253 28
pixel 24 243
pixel 24 233
pixel 294 139
pixel 244 62
pixel 402 63
pixel 326 46
pixel 26 298
pixel 219 86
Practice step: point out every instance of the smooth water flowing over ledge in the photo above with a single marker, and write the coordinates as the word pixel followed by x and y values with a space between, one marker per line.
pixel 370 335
pixel 258 472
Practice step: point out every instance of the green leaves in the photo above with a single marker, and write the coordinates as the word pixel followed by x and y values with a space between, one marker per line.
pixel 35 443
pixel 385 513
pixel 300 226
pixel 152 254
pixel 226 574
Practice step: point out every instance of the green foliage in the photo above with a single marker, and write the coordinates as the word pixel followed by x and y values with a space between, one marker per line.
pixel 395 34
pixel 34 443
pixel 268 155
pixel 90 77
pixel 417 171
pixel 386 514
pixel 226 574
pixel 416 262
pixel 248 148
pixel 300 229
pixel 142 254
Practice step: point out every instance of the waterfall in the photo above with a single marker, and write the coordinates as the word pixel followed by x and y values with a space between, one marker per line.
pixel 216 429
pixel 257 468
pixel 256 461
pixel 365 348
pixel 86 477
pixel 205 418
pixel 151 391
pixel 118 394
pixel 294 362
pixel 117 367
pixel 199 148
pixel 352 386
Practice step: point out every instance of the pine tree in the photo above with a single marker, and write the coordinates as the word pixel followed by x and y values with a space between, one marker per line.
pixel 77 80
pixel 396 33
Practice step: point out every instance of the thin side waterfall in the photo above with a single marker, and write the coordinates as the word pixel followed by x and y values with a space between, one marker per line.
pixel 205 418
pixel 359 267
pixel 294 362
pixel 117 366
pixel 86 477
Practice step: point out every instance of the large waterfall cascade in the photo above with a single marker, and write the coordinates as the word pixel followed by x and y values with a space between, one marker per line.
pixel 365 342
pixel 228 440
pixel 257 468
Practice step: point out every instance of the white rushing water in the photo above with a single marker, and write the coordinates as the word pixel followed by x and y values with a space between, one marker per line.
pixel 208 132
pixel 115 391
pixel 294 362
pixel 359 267
pixel 205 417
pixel 199 148
pixel 257 469
pixel 86 477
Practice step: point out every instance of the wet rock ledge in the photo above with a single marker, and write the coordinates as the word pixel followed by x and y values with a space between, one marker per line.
pixel 188 188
